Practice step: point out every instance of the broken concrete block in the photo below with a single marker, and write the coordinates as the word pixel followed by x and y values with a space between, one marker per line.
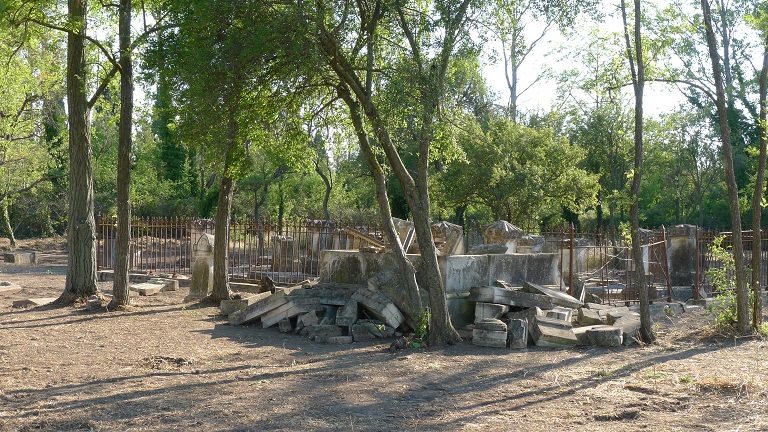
pixel 630 325
pixel 9 288
pixel 321 333
pixel 589 317
pixel 167 283
pixel 613 315
pixel 232 305
pixel 605 336
pixel 559 298
pixel 146 288
pixel 380 306
pixel 257 309
pixel 291 309
pixel 285 325
pixel 364 330
pixel 347 314
pixel 340 340
pixel 20 257
pixel 548 332
pixel 490 332
pixel 581 334
pixel 489 310
pixel 560 313
pixel 33 302
pixel 309 319
pixel 518 333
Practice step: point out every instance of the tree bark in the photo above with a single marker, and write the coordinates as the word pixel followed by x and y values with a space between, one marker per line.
pixel 6 223
pixel 221 241
pixel 81 231
pixel 742 303
pixel 637 67
pixel 120 295
pixel 757 198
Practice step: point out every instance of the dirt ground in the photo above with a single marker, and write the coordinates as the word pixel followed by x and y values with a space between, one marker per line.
pixel 169 365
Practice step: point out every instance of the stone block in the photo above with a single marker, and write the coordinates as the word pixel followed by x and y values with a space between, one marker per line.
pixel 491 324
pixel 20 257
pixel 93 303
pixel 589 317
pixel 321 333
pixel 146 288
pixel 291 309
pixel 581 334
pixel 560 313
pixel 232 305
pixel 605 336
pixel 9 288
pixel 489 310
pixel 498 295
pixel 33 302
pixel 518 333
pixel 365 330
pixel 612 316
pixel 285 325
pixel 630 325
pixel 551 333
pixel 559 298
pixel 257 309
pixel 380 306
pixel 489 338
pixel 390 283
pixel 347 314
pixel 167 283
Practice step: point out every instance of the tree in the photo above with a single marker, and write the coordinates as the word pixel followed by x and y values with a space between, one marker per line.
pixel 742 307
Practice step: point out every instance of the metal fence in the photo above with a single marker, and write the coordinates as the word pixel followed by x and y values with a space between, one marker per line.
pixel 287 253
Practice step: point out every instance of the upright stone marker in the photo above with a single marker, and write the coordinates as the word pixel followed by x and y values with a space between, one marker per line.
pixel 502 232
pixel 202 269
pixel 681 255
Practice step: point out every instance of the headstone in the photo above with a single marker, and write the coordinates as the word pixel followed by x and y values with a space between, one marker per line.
pixel 518 333
pixel 285 252
pixel 681 254
pixel 201 285
pixel 347 314
pixel 502 232
pixel 452 235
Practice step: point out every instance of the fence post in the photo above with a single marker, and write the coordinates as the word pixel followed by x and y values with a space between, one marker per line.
pixel 570 264
pixel 698 269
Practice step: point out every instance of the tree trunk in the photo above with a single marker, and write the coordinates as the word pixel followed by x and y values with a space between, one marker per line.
pixel 638 78
pixel 120 295
pixel 81 231
pixel 5 223
pixel 328 188
pixel 221 241
pixel 757 199
pixel 742 303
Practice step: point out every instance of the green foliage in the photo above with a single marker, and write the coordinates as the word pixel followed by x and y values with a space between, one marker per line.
pixel 723 281
pixel 422 330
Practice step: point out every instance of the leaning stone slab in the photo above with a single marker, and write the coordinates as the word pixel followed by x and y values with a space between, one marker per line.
pixel 232 305
pixel 9 288
pixel 559 298
pixel 365 330
pixel 390 283
pixel 548 332
pixel 33 302
pixel 347 314
pixel 380 306
pixel 630 325
pixel 498 295
pixel 589 317
pixel 605 336
pixel 20 257
pixel 257 309
pixel 518 333
pixel 489 310
pixel 326 296
pixel 291 309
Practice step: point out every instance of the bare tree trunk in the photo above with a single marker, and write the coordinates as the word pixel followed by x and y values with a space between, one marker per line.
pixel 81 231
pixel 637 67
pixel 742 303
pixel 120 295
pixel 757 199
pixel 5 223
pixel 221 241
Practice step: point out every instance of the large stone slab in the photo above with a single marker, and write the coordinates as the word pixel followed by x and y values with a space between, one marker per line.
pixel 498 295
pixel 559 298
pixel 146 288
pixel 548 332
pixel 630 325
pixel 33 302
pixel 229 306
pixel 347 314
pixel 518 333
pixel 589 317
pixel 257 309
pixel 390 283
pixel 581 334
pixel 291 309
pixel 489 310
pixel 560 313
pixel 605 336
pixel 380 306
pixel 489 338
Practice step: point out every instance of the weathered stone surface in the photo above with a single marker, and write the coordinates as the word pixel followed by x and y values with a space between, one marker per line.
pixel 285 325
pixel 500 232
pixel 605 336
pixel 229 306
pixel 630 325
pixel 291 309
pixel 489 338
pixel 560 313
pixel 347 314
pixel 489 310
pixel 452 236
pixel 93 303
pixel 328 294
pixel 146 288
pixel 581 334
pixel 497 295
pixel 340 340
pixel 201 285
pixel 380 306
pixel 390 283
pixel 597 306
pixel 613 315
pixel 518 333
pixel 547 332
pixel 9 288
pixel 364 330
pixel 309 319
pixel 33 302
pixel 559 298
pixel 491 324
pixel 167 283
pixel 589 317
pixel 258 308
pixel 321 333
pixel 526 314
pixel 488 249
pixel 20 257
